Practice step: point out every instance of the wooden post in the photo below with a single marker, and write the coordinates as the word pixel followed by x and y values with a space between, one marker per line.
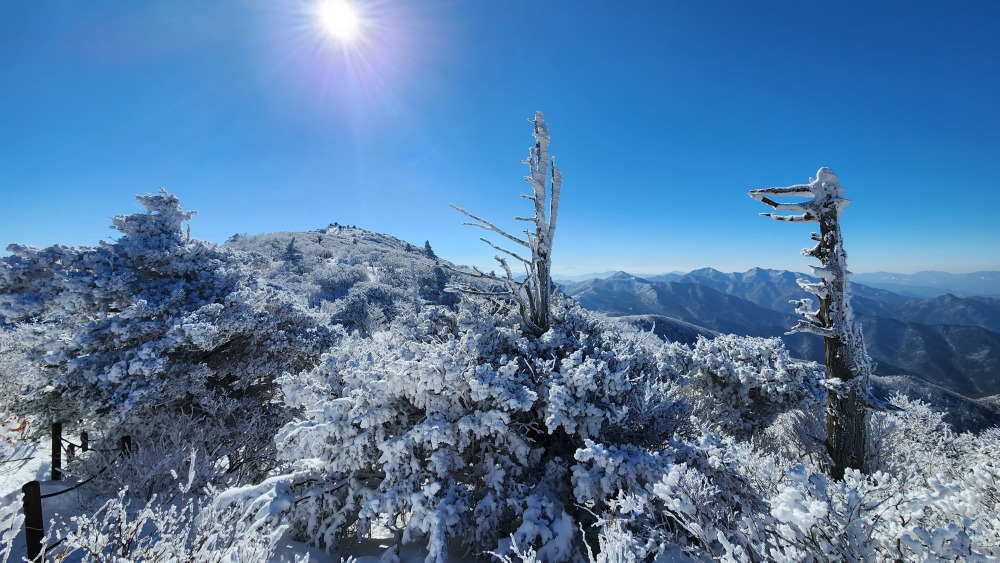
pixel 56 451
pixel 70 453
pixel 125 445
pixel 34 531
pixel 84 441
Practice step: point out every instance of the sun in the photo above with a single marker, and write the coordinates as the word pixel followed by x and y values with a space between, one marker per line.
pixel 338 19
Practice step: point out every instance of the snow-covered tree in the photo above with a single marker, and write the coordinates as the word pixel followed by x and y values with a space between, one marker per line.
pixel 848 366
pixel 932 495
pixel 533 294
pixel 154 322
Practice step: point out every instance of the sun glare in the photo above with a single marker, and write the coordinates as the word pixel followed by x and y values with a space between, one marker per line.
pixel 338 19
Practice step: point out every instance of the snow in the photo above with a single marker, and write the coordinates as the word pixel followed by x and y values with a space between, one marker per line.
pixel 286 404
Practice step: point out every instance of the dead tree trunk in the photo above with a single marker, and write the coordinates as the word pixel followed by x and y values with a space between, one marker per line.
pixel 532 295
pixel 848 366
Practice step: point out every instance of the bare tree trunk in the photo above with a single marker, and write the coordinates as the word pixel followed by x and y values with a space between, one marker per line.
pixel 532 295
pixel 847 411
pixel 848 367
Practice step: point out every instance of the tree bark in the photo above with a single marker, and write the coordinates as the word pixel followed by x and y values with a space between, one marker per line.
pixel 847 413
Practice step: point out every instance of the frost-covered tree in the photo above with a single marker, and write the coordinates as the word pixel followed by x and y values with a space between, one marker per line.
pixel 932 495
pixel 151 323
pixel 533 294
pixel 848 366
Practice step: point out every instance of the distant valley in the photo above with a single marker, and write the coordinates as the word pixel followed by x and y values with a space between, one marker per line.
pixel 949 340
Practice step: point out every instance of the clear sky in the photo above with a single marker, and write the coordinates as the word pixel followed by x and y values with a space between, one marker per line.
pixel 662 115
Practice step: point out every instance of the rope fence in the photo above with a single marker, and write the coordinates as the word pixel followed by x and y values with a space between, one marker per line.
pixel 34 523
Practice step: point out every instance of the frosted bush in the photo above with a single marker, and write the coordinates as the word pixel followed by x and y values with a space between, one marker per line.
pixel 193 529
pixel 936 497
pixel 458 426
pixel 741 385
pixel 882 518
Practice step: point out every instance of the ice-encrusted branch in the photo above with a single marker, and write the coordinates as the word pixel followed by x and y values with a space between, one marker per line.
pixel 484 224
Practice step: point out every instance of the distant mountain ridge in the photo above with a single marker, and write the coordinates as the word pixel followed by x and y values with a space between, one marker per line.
pixel 951 341
pixel 934 284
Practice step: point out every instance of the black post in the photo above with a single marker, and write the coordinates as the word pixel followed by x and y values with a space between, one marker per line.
pixel 56 451
pixel 125 445
pixel 34 532
pixel 84 441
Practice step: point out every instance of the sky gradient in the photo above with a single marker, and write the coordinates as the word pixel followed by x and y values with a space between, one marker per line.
pixel 662 115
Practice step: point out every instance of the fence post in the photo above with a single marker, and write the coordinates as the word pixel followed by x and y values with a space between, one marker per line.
pixel 34 531
pixel 125 444
pixel 56 451
pixel 84 441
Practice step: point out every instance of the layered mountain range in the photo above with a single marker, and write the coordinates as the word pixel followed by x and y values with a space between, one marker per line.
pixel 950 341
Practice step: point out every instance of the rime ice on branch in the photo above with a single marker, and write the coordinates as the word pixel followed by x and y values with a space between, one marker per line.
pixel 534 293
pixel 848 365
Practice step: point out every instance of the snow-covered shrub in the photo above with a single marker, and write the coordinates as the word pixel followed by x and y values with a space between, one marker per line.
pixel 192 528
pixel 157 325
pixel 935 495
pixel 369 306
pixel 690 496
pixel 457 426
pixel 11 522
pixel 224 444
pixel 741 385
pixel 883 518
pixel 333 281
pixel 915 440
pixel 13 367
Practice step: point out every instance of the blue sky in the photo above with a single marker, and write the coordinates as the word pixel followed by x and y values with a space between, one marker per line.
pixel 662 115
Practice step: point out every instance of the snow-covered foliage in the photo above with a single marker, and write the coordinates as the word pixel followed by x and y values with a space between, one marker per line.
pixel 188 527
pixel 14 368
pixel 349 276
pixel 935 496
pixel 152 319
pixel 533 293
pixel 458 426
pixel 325 385
pixel 742 385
